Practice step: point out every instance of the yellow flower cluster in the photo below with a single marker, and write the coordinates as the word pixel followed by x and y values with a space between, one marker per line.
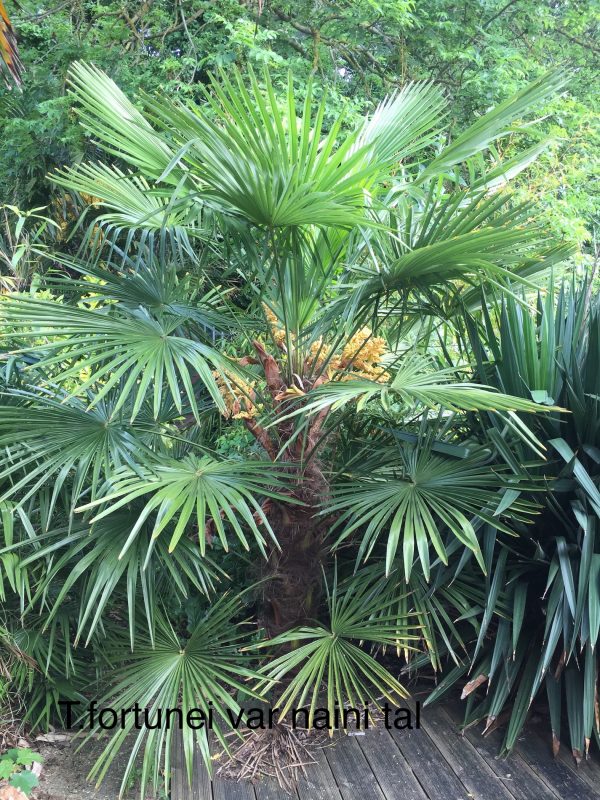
pixel 238 395
pixel 360 358
pixel 277 333
pixel 318 354
pixel 363 349
pixel 362 354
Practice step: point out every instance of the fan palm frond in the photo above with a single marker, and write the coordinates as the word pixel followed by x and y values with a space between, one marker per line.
pixel 331 655
pixel 88 562
pixel 172 678
pixel 496 123
pixel 414 496
pixel 77 447
pixel 198 489
pixel 128 349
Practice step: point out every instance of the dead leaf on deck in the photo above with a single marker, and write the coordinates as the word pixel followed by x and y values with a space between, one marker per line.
pixel 472 685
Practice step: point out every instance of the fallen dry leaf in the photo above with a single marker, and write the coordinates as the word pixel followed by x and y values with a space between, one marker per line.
pixel 52 738
pixel 11 793
pixel 472 685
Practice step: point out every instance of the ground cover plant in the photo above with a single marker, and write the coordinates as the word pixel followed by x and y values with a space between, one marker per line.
pixel 12 769
pixel 288 409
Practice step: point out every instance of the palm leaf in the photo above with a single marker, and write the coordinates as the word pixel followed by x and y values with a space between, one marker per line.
pixel 121 129
pixel 87 562
pixel 197 673
pixel 411 500
pixel 131 350
pixel 78 448
pixel 497 122
pixel 403 124
pixel 415 380
pixel 331 655
pixel 132 206
pixel 196 489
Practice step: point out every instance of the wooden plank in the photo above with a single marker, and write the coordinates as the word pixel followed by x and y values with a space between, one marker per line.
pixel 201 782
pixel 514 772
pixel 269 789
pixel 464 760
pixel 177 768
pixel 551 778
pixel 429 765
pixel 201 786
pixel 351 770
pixel 552 771
pixel 435 761
pixel 393 773
pixel 319 782
pixel 588 770
pixel 232 790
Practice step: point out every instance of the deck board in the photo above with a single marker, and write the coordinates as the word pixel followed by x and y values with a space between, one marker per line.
pixel 468 764
pixel 319 783
pixel 269 789
pixel 232 790
pixel 201 783
pixel 351 771
pixel 436 762
pixel 393 773
pixel 429 765
pixel 512 771
pixel 178 778
pixel 588 770
pixel 552 771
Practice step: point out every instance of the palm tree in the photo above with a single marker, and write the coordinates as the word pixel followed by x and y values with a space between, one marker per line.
pixel 245 270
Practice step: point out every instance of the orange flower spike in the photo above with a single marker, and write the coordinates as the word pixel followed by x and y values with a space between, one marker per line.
pixel 9 54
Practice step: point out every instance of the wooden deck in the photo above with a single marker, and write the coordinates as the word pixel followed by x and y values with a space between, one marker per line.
pixel 433 763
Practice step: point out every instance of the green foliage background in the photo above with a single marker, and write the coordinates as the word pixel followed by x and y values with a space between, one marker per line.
pixel 479 51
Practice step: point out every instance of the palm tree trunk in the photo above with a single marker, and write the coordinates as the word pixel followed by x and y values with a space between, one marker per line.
pixel 293 573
